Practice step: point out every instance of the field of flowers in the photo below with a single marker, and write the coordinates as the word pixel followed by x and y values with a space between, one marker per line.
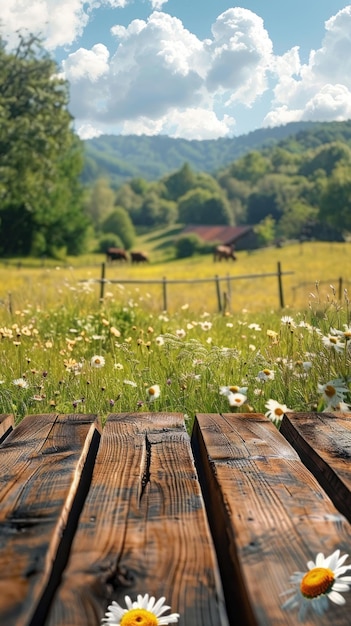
pixel 81 355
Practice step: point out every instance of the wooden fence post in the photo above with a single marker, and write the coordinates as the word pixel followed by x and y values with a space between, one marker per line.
pixel 340 288
pixel 280 286
pixel 164 290
pixel 218 288
pixel 102 282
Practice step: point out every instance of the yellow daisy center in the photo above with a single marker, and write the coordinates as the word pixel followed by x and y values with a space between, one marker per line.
pixel 139 617
pixel 278 411
pixel 152 391
pixel 234 389
pixel 317 581
pixel 267 372
pixel 330 391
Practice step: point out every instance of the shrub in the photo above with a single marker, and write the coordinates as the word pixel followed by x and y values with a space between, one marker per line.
pixel 187 245
pixel 109 240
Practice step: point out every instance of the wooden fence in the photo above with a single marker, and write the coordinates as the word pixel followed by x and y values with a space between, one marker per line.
pixel 223 300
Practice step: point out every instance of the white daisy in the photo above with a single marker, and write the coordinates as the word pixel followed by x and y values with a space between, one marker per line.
pixel 226 391
pixel 97 361
pixel 265 374
pixel 144 611
pixel 275 411
pixel 236 399
pixel 333 391
pixel 324 581
pixel 21 383
pixel 153 392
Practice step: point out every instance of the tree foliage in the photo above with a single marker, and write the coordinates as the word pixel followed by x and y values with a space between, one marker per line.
pixel 120 224
pixel 41 158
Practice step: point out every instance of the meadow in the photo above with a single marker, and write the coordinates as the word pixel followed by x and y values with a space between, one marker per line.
pixel 64 350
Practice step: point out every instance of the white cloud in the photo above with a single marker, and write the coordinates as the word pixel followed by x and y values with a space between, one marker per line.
pixel 241 53
pixel 87 131
pixel 89 64
pixel 321 89
pixel 160 77
pixel 59 22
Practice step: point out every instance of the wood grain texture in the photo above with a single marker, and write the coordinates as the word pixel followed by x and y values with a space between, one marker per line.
pixel 268 516
pixel 323 442
pixel 7 424
pixel 44 463
pixel 143 528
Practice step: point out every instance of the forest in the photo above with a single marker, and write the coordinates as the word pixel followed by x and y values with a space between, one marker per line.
pixel 58 198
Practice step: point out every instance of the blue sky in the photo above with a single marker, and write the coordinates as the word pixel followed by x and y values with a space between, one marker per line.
pixel 198 69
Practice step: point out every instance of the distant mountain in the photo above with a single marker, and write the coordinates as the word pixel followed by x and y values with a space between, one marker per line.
pixel 122 157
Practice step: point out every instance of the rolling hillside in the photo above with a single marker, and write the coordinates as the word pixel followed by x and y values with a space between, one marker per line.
pixel 122 157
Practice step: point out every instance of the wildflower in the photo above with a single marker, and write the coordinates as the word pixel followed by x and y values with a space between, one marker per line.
pixel 159 340
pixel 115 332
pixel 333 341
pixel 275 411
pixel 254 326
pixel 144 610
pixel 118 366
pixel 180 333
pixel 153 392
pixel 341 407
pixel 236 399
pixel 286 319
pixel 206 325
pixel 324 581
pixel 265 374
pixel 333 391
pixel 130 382
pixel 97 361
pixel 225 391
pixel 21 383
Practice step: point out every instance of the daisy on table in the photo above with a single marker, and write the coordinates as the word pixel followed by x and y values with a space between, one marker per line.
pixel 323 582
pixel 145 611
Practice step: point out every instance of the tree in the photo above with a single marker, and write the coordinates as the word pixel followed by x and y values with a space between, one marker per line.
pixel 200 206
pixel 119 223
pixel 335 205
pixel 41 157
pixel 100 203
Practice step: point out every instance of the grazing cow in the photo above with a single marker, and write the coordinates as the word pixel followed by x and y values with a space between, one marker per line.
pixel 224 252
pixel 116 254
pixel 138 257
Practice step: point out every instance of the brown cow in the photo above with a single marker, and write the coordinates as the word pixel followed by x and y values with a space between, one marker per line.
pixel 139 257
pixel 116 254
pixel 224 252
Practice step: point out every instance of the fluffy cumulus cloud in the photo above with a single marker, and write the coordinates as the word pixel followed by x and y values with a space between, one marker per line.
pixel 321 89
pixel 162 78
pixel 158 77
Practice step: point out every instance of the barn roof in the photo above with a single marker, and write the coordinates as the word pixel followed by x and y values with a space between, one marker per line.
pixel 220 234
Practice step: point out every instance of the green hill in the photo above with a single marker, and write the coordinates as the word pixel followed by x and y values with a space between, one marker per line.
pixel 122 157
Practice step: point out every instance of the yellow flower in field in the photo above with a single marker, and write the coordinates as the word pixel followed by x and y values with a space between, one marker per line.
pixel 265 374
pixel 97 361
pixel 115 332
pixel 144 611
pixel 153 392
pixel 322 582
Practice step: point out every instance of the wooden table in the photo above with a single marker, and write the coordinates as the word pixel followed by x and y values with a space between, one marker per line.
pixel 216 522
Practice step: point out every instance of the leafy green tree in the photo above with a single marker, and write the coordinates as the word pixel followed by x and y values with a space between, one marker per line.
pixel 335 204
pixel 180 182
pixel 200 206
pixel 41 158
pixel 187 245
pixel 119 223
pixel 265 231
pixel 100 202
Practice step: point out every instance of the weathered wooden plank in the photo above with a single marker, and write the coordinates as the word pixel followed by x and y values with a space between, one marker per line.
pixel 323 442
pixel 268 516
pixel 44 475
pixel 143 528
pixel 7 424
